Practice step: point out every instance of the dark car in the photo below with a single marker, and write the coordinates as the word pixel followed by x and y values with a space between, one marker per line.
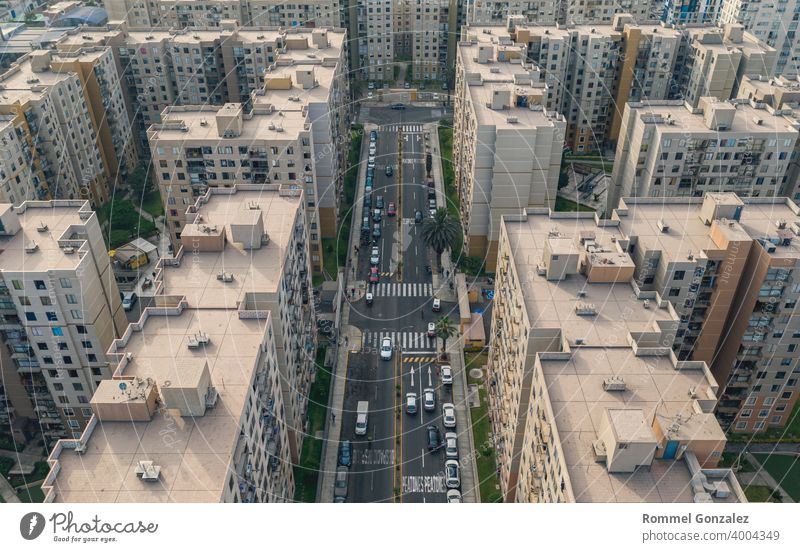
pixel 373 135
pixel 389 170
pixel 431 193
pixel 368 200
pixel 418 217
pixel 379 202
pixel 398 106
pixel 376 230
pixel 345 454
pixel 434 442
pixel 370 172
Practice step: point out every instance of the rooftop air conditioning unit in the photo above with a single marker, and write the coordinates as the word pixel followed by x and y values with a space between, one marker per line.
pixel 42 227
pixel 147 470
pixel 31 247
pixel 663 226
pixel 614 383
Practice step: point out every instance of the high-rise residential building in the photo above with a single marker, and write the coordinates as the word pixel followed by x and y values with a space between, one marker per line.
pixel 691 12
pixel 375 39
pixel 729 266
pixel 713 61
pixel 71 124
pixel 61 310
pixel 178 14
pixel 540 12
pixel 209 387
pixel 773 22
pixel 506 145
pixel 588 402
pixel 429 39
pixel 669 149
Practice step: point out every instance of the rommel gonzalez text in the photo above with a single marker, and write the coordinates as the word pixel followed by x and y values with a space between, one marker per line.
pixel 705 519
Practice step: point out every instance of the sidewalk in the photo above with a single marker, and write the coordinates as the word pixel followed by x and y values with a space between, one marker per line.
pixel 441 287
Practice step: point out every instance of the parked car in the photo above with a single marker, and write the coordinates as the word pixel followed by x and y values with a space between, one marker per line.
pixel 376 230
pixel 437 305
pixel 368 200
pixel 345 453
pixel 391 210
pixel 431 329
pixel 369 95
pixel 449 415
pixel 374 275
pixel 432 212
pixel 340 484
pixel 447 375
pixel 365 224
pixel 373 135
pixel 451 478
pixel 418 217
pixel 386 348
pixel 389 171
pixel 411 403
pixel 429 399
pixel 129 300
pixel 372 149
pixel 406 85
pixel 370 172
pixel 433 437
pixel 432 204
pixel 454 496
pixel 431 193
pixel 379 202
pixel 371 86
pixel 398 106
pixel 451 444
pixel 375 256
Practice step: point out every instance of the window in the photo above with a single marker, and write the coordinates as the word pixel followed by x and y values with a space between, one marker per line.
pixel 76 314
pixel 77 386
pixel 751 401
pixel 71 299
pixel 42 346
pixel 746 413
pixel 91 357
pixel 67 360
pixel 24 301
pixel 81 330
pixel 16 284
pixel 775 420
pixel 65 282
pixel 86 412
pixel 763 413
pixel 741 425
pixel 30 316
pixel 74 424
pixel 39 284
pixel 679 275
pixel 51 316
pixel 674 292
pixel 68 412
pixel 58 332
pixel 759 425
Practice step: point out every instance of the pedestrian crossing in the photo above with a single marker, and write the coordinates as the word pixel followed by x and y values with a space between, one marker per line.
pixel 403 128
pixel 411 341
pixel 401 290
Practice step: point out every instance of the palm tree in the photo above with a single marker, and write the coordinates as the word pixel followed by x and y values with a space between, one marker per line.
pixel 441 232
pixel 445 330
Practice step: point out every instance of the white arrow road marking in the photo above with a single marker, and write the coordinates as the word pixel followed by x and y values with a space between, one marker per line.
pixel 412 376
pixel 430 383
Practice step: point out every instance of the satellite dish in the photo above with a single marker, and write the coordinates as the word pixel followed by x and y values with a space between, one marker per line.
pixel 123 386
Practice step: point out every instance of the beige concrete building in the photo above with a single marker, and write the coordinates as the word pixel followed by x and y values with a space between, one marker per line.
pixel 691 12
pixel 60 311
pixel 587 400
pixel 491 12
pixel 714 61
pixel 729 267
pixel 375 40
pixel 669 149
pixel 506 146
pixel 220 363
pixel 71 124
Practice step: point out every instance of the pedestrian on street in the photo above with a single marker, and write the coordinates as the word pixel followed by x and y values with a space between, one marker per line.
pixel 333 417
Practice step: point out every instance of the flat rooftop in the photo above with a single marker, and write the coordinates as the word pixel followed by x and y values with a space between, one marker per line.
pixel 22 84
pixel 254 270
pixel 654 386
pixel 689 235
pixel 748 45
pixel 57 216
pixel 201 125
pixel 281 98
pixel 744 119
pixel 551 304
pixel 193 452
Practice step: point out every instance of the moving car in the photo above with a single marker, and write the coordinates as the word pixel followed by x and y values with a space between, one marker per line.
pixel 129 300
pixel 379 202
pixel 345 453
pixel 418 217
pixel 431 204
pixel 374 275
pixel 370 298
pixel 391 210
pixel 340 484
pixel 437 305
pixel 375 257
pixel 411 403
pixel 369 95
pixel 429 399
pixel 386 348
pixel 431 329
pixel 389 170
pixel 451 444
pixel 454 496
pixel 449 415
pixel 451 478
pixel 362 410
pixel 398 106
pixel 447 375
pixel 376 215
pixel 433 437
pixel 376 230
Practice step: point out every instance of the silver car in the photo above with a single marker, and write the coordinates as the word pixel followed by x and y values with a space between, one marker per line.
pixel 451 445
pixel 451 477
pixel 340 483
pixel 429 399
pixel 449 415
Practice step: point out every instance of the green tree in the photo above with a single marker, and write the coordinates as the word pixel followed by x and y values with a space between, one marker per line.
pixel 441 231
pixel 445 330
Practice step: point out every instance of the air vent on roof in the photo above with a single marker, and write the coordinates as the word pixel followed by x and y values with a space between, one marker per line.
pixel 580 341
pixel 253 206
pixel 614 383
pixel 585 309
pixel 646 303
pixel 581 293
pixel 780 223
pixel 226 277
pixel 147 470
pixel 149 37
pixel 203 122
pixel 31 247
pixel 42 227
pixel 512 120
pixel 80 448
pixel 211 396
pixel 68 250
pixel 663 226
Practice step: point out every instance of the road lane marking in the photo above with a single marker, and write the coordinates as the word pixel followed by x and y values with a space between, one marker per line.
pixel 428 484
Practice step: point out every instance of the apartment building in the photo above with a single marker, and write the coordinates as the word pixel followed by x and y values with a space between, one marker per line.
pixel 71 123
pixel 691 12
pixel 429 39
pixel 507 145
pixel 669 149
pixel 215 374
pixel 587 401
pixel 60 312
pixel 403 15
pixel 491 12
pixel 714 60
pixel 773 22
pixel 375 39
pixel 179 14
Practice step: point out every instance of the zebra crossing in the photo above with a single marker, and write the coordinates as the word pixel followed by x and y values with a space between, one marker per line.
pixel 401 290
pixel 403 128
pixel 410 341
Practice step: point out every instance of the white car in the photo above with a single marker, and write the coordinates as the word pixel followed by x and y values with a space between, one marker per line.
pixel 437 305
pixel 451 478
pixel 386 348
pixel 369 95
pixel 429 399
pixel 411 403
pixel 431 329
pixel 447 375
pixel 454 496
pixel 451 445
pixel 449 415
pixel 371 159
pixel 375 257
pixel 372 149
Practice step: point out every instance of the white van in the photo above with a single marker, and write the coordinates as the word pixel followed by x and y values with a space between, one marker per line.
pixel 361 417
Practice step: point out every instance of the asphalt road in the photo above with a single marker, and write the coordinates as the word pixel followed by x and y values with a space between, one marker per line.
pixel 393 454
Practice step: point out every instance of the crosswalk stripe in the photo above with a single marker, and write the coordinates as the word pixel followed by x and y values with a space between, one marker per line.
pixel 404 289
pixel 415 341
